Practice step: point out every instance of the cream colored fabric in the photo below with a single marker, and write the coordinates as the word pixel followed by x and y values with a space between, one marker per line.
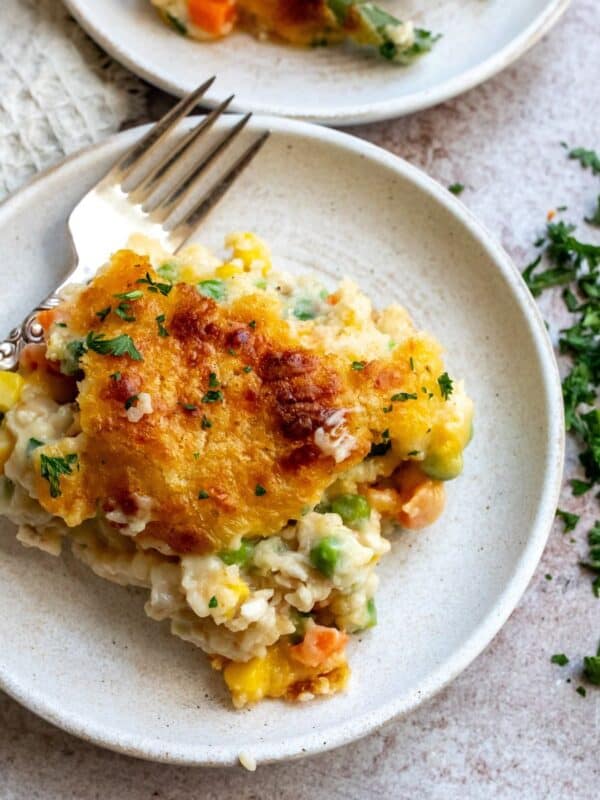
pixel 59 92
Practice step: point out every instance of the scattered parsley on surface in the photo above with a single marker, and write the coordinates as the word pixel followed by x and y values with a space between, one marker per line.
pixel 116 376
pixel 206 423
pixel 570 520
pixel 189 406
pixel 213 381
pixel 581 690
pixel 203 495
pixel 247 369
pixel 213 602
pixel 456 188
pixel 587 158
pixel 131 401
pixel 358 365
pixel 560 659
pixel 252 324
pixel 259 490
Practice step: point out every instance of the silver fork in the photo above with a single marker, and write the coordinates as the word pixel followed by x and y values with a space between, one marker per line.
pixel 144 192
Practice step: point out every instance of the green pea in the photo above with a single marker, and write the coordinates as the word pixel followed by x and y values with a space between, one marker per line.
pixel 169 271
pixel 326 554
pixel 304 309
pixel 443 466
pixel 351 508
pixel 213 288
pixel 242 556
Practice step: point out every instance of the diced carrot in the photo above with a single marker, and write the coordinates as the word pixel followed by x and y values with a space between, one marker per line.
pixel 46 317
pixel 213 16
pixel 319 644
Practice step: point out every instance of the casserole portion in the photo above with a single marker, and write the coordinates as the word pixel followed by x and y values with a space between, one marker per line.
pixel 236 440
pixel 312 23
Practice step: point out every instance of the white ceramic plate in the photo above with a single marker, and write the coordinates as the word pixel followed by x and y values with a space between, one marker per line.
pixel 80 652
pixel 337 86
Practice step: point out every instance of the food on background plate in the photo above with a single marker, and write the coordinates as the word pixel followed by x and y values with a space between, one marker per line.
pixel 300 22
pixel 238 441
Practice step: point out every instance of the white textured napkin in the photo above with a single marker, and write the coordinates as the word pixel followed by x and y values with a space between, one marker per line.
pixel 59 92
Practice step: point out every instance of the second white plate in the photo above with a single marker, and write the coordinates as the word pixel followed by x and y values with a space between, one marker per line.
pixel 335 85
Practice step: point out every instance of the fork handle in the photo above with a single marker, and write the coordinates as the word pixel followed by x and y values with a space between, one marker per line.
pixel 29 332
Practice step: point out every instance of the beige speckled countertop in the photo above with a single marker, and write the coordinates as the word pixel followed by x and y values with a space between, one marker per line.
pixel 510 726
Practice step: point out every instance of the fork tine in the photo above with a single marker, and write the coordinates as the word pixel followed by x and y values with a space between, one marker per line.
pixel 188 225
pixel 159 132
pixel 144 189
pixel 163 208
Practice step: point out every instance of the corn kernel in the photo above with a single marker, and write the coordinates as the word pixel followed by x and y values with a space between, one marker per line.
pixel 189 274
pixel 249 248
pixel 6 446
pixel 228 270
pixel 11 384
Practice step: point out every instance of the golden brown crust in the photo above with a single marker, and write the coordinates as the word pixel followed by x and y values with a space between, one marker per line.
pixel 236 402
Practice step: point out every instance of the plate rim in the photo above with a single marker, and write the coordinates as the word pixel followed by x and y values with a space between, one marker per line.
pixel 352 115
pixel 507 600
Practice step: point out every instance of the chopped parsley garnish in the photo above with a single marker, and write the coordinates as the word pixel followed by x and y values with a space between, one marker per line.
pixel 579 487
pixel 259 490
pixel 247 369
pixel 206 423
pixel 189 406
pixel 385 434
pixel 402 397
pixel 61 324
pixel 358 365
pixel 52 467
pixel 135 294
pixel 116 376
pixel 33 444
pixel 196 455
pixel 213 288
pixel 123 310
pixel 591 668
pixel 213 381
pixel 413 452
pixel 121 345
pixel 560 659
pixel 456 188
pixel 252 324
pixel 595 218
pixel 213 396
pixel 581 690
pixel 76 349
pixel 446 385
pixel 411 363
pixel 103 314
pixel 593 560
pixel 548 577
pixel 587 158
pixel 232 352
pixel 387 409
pixel 203 495
pixel 131 401
pixel 568 262
pixel 154 286
pixel 570 520
pixel 213 602
pixel 162 331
